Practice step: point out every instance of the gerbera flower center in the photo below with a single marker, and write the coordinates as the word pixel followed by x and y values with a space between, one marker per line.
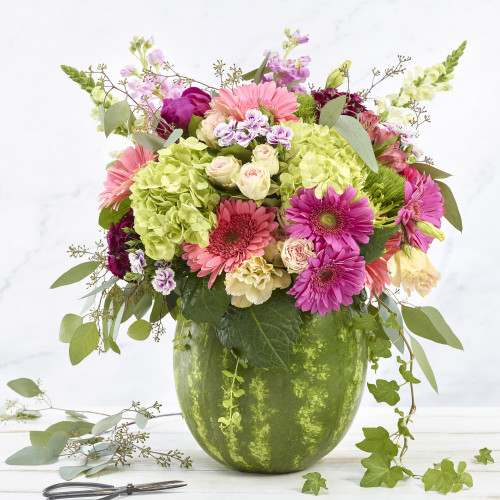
pixel 325 276
pixel 230 238
pixel 327 219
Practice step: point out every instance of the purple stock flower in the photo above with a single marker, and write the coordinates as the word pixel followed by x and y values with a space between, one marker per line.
pixel 177 113
pixel 353 106
pixel 117 237
pixel 300 39
pixel 288 71
pixel 226 133
pixel 137 262
pixel 163 281
pixel 127 71
pixel 279 134
pixel 155 57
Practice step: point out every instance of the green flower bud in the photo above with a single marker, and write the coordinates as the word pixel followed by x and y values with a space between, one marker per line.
pixel 337 76
pixel 430 230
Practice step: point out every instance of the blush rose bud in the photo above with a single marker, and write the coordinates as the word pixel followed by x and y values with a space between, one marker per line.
pixel 337 76
pixel 223 169
pixel 254 180
pixel 267 154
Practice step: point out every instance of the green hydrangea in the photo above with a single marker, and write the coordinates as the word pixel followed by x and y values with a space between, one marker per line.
pixel 320 158
pixel 173 201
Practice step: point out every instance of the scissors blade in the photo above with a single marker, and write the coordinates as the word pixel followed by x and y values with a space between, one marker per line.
pixel 162 485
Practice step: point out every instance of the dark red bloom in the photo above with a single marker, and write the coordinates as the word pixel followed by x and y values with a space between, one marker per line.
pixel 177 113
pixel 118 262
pixel 353 106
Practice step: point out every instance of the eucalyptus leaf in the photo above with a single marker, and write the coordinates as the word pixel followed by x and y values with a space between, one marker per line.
pixel 357 137
pixel 75 274
pixel 24 387
pixel 76 415
pixel 434 172
pixel 56 445
pixel 452 214
pixel 141 420
pixel 151 142
pixel 423 362
pixel 98 468
pixel 31 455
pixel 173 137
pixel 260 71
pixel 69 324
pixel 102 287
pixel 331 111
pixel 40 438
pixel 393 334
pixel 71 428
pixel 160 308
pixel 109 215
pixel 115 116
pixel 116 322
pixel 84 341
pixel 139 330
pixel 88 304
pixel 290 85
pixel 251 74
pixel 143 306
pixel 69 472
pixel 106 423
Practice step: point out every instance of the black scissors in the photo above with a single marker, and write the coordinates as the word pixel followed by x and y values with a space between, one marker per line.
pixel 104 491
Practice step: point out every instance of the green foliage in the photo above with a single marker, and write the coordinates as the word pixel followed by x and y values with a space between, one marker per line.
pixel 141 418
pixel 84 341
pixel 452 60
pixel 25 387
pixel 423 363
pixel 452 214
pixel 444 478
pixel 379 471
pixel 151 142
pixel 375 248
pixel 263 335
pixel 109 214
pixel 86 82
pixel 69 324
pixel 427 322
pixel 354 133
pixel 75 274
pixel 40 455
pixel 377 439
pixel 173 137
pixel 193 125
pixel 307 108
pixel 407 375
pixel 393 321
pixel 484 456
pixel 260 70
pixel 139 330
pixel 243 154
pixel 231 394
pixel 434 172
pixel 365 322
pixel 331 111
pixel 115 116
pixel 386 189
pixel 102 287
pixel 107 423
pixel 379 348
pixel 202 304
pixel 313 482
pixel 385 391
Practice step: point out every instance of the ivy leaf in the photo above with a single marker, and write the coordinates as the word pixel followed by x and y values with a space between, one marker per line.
pixel 151 142
pixel 109 214
pixel 263 335
pixel 452 214
pixel 75 274
pixel 357 137
pixel 365 322
pixel 444 478
pixel 379 471
pixel 313 482
pixel 427 322
pixel 115 116
pixel 331 111
pixel 374 249
pixel 406 374
pixel 434 172
pixel 484 456
pixel 385 391
pixel 381 348
pixel 377 439
pixel 202 304
pixel 86 82
pixel 25 387
pixel 84 341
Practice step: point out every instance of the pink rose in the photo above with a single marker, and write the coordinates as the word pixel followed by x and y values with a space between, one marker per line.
pixel 295 253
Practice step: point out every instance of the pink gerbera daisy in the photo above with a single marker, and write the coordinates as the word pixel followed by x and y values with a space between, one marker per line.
pixel 377 278
pixel 121 175
pixel 423 201
pixel 242 229
pixel 278 100
pixel 331 279
pixel 335 219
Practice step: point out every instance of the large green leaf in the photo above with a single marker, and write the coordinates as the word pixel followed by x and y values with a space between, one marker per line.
pixel 434 172
pixel 374 249
pixel 102 287
pixel 377 438
pixel 69 324
pixel 428 323
pixel 25 387
pixel 109 214
pixel 379 471
pixel 251 74
pixel 354 133
pixel 106 423
pixel 115 116
pixel 38 455
pixel 71 428
pixel 139 330
pixel 84 341
pixel 331 111
pixel 263 335
pixel 385 391
pixel 243 154
pixel 151 142
pixel 202 304
pixel 193 125
pixel 75 274
pixel 423 362
pixel 174 136
pixel 451 212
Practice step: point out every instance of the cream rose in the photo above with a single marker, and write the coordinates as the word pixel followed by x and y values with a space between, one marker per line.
pixel 295 252
pixel 413 273
pixel 254 281
pixel 205 130
pixel 223 169
pixel 254 180
pixel 267 154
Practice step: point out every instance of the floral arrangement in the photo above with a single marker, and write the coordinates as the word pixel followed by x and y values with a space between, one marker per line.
pixel 263 197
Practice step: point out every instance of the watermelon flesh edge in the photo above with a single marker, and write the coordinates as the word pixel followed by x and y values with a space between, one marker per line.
pixel 289 420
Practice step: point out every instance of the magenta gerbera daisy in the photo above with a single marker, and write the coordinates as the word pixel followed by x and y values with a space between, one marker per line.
pixel 331 279
pixel 423 201
pixel 335 219
pixel 242 229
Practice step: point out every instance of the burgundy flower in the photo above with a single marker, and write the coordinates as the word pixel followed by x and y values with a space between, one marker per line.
pixel 118 262
pixel 177 113
pixel 353 106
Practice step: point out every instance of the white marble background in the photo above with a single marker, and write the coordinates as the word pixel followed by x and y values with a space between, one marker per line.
pixel 52 165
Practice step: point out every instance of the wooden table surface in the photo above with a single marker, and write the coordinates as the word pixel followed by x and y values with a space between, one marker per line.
pixel 455 433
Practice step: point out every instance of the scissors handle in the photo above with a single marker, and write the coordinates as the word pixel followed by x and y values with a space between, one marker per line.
pixel 100 490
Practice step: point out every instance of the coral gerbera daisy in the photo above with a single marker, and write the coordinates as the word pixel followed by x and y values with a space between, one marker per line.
pixel 331 279
pixel 278 100
pixel 377 278
pixel 242 230
pixel 335 219
pixel 121 175
pixel 424 202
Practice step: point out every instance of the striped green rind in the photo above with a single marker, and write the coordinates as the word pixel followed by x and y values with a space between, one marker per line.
pixel 288 419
